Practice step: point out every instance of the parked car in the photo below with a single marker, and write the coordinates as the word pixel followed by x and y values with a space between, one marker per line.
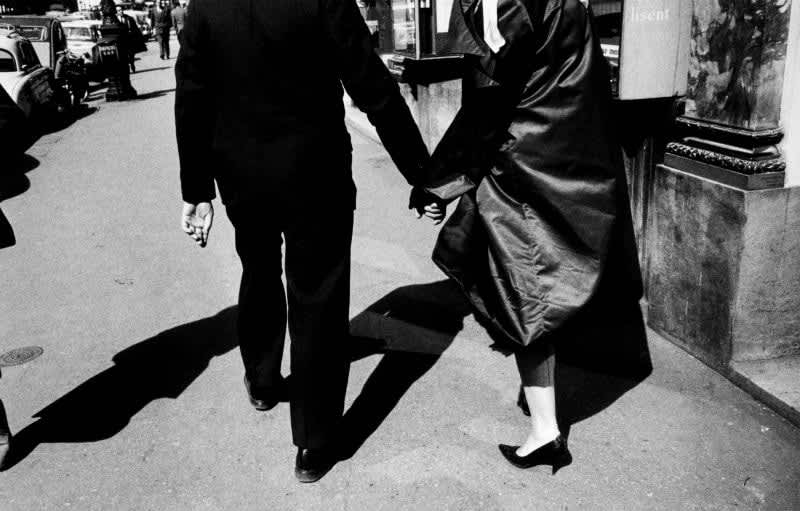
pixel 82 37
pixel 45 33
pixel 29 84
pixel 47 36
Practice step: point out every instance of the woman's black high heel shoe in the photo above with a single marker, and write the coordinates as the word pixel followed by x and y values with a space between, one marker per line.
pixel 555 453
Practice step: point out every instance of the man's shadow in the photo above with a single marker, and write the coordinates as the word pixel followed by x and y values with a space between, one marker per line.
pixel 13 180
pixel 412 326
pixel 102 406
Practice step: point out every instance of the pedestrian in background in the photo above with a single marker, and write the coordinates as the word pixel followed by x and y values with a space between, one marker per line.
pixel 162 19
pixel 115 37
pixel 542 235
pixel 266 121
pixel 178 20
pixel 136 42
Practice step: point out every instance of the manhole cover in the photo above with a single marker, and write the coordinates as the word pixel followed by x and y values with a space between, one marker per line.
pixel 20 356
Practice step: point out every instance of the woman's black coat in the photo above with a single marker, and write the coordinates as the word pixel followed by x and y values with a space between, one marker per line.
pixel 548 213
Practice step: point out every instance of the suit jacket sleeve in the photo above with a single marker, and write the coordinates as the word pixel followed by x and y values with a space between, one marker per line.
pixel 372 88
pixel 193 124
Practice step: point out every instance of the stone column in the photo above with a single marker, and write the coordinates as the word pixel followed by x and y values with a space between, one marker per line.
pixel 736 70
pixel 724 233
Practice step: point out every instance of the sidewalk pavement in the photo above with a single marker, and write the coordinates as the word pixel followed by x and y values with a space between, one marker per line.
pixel 137 402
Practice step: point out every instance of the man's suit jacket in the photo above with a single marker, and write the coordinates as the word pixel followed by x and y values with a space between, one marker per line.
pixel 259 108
pixel 163 20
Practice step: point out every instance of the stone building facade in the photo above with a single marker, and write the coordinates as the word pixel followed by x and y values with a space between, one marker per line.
pixel 714 177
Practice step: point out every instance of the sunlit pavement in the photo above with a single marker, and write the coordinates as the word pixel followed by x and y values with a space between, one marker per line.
pixel 137 400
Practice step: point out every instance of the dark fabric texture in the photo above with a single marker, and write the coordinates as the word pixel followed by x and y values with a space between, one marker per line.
pixel 137 43
pixel 537 365
pixel 163 43
pixel 317 294
pixel 550 212
pixel 259 108
pixel 163 19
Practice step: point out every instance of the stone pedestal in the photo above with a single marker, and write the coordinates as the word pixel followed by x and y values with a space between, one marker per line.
pixel 724 268
pixel 723 238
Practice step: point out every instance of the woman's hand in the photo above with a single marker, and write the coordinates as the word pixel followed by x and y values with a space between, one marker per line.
pixel 427 204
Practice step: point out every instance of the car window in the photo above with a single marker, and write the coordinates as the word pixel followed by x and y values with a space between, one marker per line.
pixel 33 33
pixel 27 55
pixel 78 33
pixel 7 63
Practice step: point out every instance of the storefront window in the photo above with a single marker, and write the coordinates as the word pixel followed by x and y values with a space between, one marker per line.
pixel 404 25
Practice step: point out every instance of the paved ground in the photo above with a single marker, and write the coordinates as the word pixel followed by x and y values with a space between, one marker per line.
pixel 137 401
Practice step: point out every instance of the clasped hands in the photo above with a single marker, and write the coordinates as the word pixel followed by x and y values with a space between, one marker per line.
pixel 427 204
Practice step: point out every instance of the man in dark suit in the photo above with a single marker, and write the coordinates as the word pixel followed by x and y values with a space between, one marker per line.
pixel 259 109
pixel 163 23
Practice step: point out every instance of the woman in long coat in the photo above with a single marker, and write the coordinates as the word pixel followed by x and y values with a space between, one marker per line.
pixel 543 211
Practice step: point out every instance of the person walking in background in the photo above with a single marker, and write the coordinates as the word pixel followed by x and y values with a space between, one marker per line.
pixel 178 19
pixel 542 233
pixel 114 34
pixel 162 19
pixel 136 42
pixel 267 123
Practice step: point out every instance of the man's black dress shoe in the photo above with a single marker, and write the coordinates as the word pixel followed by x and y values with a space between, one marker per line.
pixel 311 464
pixel 555 453
pixel 267 400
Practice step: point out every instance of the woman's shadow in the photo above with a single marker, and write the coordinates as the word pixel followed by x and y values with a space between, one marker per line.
pixel 102 406
pixel 413 326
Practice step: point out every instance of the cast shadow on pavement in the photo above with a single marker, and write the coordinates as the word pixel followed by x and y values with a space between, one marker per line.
pixel 64 121
pixel 13 180
pixel 412 326
pixel 153 94
pixel 102 406
pixel 603 357
pixel 149 69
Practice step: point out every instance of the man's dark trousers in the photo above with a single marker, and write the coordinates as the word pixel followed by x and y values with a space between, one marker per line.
pixel 318 291
pixel 163 43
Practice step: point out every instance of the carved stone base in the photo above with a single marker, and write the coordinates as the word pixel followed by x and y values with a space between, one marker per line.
pixel 723 271
pixel 746 159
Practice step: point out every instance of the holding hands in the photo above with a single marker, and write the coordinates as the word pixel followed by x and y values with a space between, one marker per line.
pixel 425 203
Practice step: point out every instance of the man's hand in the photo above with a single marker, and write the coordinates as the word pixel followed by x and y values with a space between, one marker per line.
pixel 427 204
pixel 196 221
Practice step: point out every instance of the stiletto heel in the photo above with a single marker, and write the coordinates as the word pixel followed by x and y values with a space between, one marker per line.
pixel 555 453
pixel 563 460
